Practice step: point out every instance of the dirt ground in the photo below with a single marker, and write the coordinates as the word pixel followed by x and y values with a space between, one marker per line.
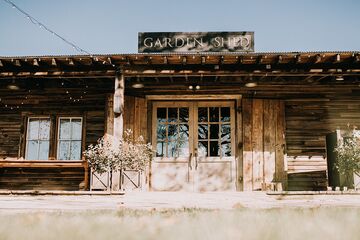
pixel 174 200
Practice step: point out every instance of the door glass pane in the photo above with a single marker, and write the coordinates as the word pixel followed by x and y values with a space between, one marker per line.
pixel 161 115
pixel 44 129
pixel 63 151
pixel 32 150
pixel 183 114
pixel 203 130
pixel 172 112
pixel 33 129
pixel 214 114
pixel 160 149
pixel 225 149
pixel 65 128
pixel 214 131
pixel 172 132
pixel 225 114
pixel 44 150
pixel 225 132
pixel 75 153
pixel 76 129
pixel 172 149
pixel 161 131
pixel 183 149
pixel 202 114
pixel 184 132
pixel 203 148
pixel 214 149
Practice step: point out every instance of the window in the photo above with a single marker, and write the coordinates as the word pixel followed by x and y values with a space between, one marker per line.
pixel 69 138
pixel 172 132
pixel 38 139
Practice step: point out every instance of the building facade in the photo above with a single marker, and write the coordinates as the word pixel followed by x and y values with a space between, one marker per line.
pixel 217 121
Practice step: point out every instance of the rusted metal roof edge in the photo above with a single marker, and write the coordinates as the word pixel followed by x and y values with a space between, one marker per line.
pixel 185 53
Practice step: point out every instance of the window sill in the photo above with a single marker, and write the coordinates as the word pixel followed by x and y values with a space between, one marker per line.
pixel 43 163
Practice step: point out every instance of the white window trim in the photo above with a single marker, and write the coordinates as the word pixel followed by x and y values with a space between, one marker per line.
pixel 58 137
pixel 27 136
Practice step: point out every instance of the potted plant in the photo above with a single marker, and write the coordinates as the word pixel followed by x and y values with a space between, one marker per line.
pixel 116 155
pixel 348 159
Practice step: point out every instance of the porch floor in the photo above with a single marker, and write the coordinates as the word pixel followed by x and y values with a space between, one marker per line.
pixel 173 200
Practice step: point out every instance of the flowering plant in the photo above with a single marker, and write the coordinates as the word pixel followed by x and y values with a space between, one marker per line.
pixel 348 155
pixel 111 154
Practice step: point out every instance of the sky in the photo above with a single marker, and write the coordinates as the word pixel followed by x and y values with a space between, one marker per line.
pixel 112 26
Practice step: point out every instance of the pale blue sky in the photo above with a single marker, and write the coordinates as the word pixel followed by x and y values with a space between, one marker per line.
pixel 111 26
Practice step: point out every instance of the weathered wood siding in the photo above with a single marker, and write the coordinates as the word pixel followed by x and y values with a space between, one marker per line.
pixel 50 178
pixel 309 120
pixel 135 116
pixel 10 127
pixel 263 142
pixel 307 123
pixel 54 98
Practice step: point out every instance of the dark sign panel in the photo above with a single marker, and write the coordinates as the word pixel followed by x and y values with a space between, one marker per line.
pixel 196 42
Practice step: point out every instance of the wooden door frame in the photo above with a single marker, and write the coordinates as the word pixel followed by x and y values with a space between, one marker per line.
pixel 237 98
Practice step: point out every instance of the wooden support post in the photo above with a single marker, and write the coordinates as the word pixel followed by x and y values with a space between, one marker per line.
pixel 118 105
pixel 118 118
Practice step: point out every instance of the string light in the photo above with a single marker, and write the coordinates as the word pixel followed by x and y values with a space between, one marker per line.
pixel 43 26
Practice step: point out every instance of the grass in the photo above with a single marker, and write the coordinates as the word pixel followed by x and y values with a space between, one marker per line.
pixel 315 223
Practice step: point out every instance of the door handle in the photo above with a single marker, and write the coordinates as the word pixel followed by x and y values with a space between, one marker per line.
pixel 189 162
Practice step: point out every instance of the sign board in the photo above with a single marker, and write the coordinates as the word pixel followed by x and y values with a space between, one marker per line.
pixel 162 42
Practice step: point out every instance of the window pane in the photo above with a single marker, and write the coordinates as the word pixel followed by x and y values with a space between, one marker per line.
pixel 214 149
pixel 184 114
pixel 225 132
pixel 75 153
pixel 63 151
pixel 172 149
pixel 203 130
pixel 161 132
pixel 203 148
pixel 214 114
pixel 44 150
pixel 76 129
pixel 160 149
pixel 225 149
pixel 65 129
pixel 32 150
pixel 172 112
pixel 183 149
pixel 33 129
pixel 202 114
pixel 172 132
pixel 184 132
pixel 161 115
pixel 214 131
pixel 225 114
pixel 44 130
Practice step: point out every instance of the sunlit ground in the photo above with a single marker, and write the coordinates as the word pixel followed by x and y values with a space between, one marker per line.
pixel 315 223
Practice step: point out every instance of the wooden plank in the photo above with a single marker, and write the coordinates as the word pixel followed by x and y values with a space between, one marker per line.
pixel 239 145
pixel 257 144
pixel 143 117
pixel 129 112
pixel 269 141
pixel 247 144
pixel 280 175
pixel 46 164
pixel 109 114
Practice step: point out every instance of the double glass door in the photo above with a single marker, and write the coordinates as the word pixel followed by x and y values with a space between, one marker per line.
pixel 195 148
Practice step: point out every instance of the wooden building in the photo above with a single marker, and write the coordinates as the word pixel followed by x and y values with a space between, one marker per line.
pixel 218 121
